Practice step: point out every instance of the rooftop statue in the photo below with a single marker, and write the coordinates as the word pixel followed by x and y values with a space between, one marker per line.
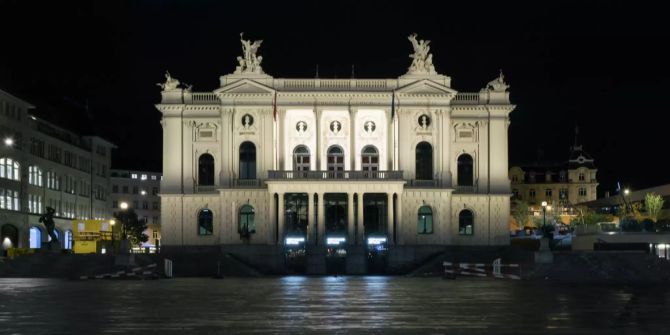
pixel 249 61
pixel 498 84
pixel 422 61
pixel 170 83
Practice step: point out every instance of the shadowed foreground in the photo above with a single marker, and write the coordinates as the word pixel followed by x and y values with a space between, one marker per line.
pixel 322 305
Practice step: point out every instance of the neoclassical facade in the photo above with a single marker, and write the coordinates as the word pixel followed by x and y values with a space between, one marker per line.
pixel 265 161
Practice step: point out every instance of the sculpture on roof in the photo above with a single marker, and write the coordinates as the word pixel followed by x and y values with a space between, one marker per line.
pixel 249 61
pixel 498 84
pixel 170 83
pixel 422 60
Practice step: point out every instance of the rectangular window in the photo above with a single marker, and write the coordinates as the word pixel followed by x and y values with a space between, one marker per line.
pixel 133 176
pixel 582 191
pixel 115 204
pixel 154 191
pixel 136 204
pixel 155 205
pixel 145 205
pixel 125 189
pixel 153 177
pixel 115 188
pixel 531 193
pixel 135 189
pixel 547 193
pixel 143 177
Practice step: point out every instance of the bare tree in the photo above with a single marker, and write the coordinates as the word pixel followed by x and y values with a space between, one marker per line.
pixel 520 213
pixel 654 204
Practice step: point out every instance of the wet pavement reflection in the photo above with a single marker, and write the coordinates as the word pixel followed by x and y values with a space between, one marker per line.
pixel 327 305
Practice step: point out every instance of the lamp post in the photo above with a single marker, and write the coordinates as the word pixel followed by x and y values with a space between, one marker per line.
pixel 8 141
pixel 124 241
pixel 113 222
pixel 544 215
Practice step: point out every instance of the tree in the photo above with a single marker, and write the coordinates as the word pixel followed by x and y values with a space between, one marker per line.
pixel 654 204
pixel 520 213
pixel 132 228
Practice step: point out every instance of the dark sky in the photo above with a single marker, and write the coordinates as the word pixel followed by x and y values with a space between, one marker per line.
pixel 601 65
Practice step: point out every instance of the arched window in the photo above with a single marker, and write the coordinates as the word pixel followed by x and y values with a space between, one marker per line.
pixel 67 240
pixel 35 238
pixel 9 236
pixel 335 158
pixel 57 233
pixel 301 158
pixel 206 170
pixel 205 222
pixel 34 175
pixel 466 222
pixel 370 159
pixel 247 161
pixel 465 171
pixel 424 161
pixel 247 221
pixel 425 220
pixel 9 169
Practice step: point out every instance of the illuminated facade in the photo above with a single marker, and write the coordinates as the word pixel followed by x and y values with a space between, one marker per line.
pixel 44 165
pixel 263 160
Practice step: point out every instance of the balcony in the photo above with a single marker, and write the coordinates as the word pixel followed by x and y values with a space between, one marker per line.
pixel 335 175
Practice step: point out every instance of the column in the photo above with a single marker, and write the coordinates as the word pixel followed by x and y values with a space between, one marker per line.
pixel 389 219
pixel 280 219
pixel 360 233
pixel 271 219
pixel 398 215
pixel 350 218
pixel 311 239
pixel 321 222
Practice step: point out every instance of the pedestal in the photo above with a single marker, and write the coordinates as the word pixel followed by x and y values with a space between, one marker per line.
pixel 544 255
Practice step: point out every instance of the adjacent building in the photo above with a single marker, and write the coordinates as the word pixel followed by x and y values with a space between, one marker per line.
pixel 268 161
pixel 44 165
pixel 561 185
pixel 140 191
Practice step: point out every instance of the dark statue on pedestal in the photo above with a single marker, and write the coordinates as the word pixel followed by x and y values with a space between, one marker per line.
pixel 48 220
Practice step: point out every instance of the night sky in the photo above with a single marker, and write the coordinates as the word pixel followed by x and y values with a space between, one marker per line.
pixel 92 66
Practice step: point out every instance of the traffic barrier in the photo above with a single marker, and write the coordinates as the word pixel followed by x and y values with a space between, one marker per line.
pixel 146 272
pixel 493 270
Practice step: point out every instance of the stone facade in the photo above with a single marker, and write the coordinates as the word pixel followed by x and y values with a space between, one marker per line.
pixel 45 165
pixel 374 155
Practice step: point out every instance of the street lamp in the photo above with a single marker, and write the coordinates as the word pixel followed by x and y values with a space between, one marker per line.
pixel 113 222
pixel 9 141
pixel 124 241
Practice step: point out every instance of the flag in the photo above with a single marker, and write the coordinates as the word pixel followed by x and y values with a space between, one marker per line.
pixel 393 105
pixel 274 108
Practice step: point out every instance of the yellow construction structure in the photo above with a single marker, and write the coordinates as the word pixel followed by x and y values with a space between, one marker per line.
pixel 92 236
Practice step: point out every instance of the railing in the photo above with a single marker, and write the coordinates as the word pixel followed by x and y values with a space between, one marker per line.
pixel 333 84
pixel 466 99
pixel 335 175
pixel 250 183
pixel 423 183
pixel 466 189
pixel 204 98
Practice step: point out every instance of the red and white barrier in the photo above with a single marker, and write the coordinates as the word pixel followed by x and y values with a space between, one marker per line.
pixel 493 270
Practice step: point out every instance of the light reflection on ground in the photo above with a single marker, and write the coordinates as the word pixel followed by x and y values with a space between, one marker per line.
pixel 324 305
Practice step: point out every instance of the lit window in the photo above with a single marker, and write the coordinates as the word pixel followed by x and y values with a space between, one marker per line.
pixel 205 220
pixel 9 169
pixel 144 177
pixel 153 177
pixel 133 176
pixel 465 222
pixel 425 220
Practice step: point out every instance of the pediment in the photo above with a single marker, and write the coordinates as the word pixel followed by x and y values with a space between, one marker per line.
pixel 244 86
pixel 426 86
